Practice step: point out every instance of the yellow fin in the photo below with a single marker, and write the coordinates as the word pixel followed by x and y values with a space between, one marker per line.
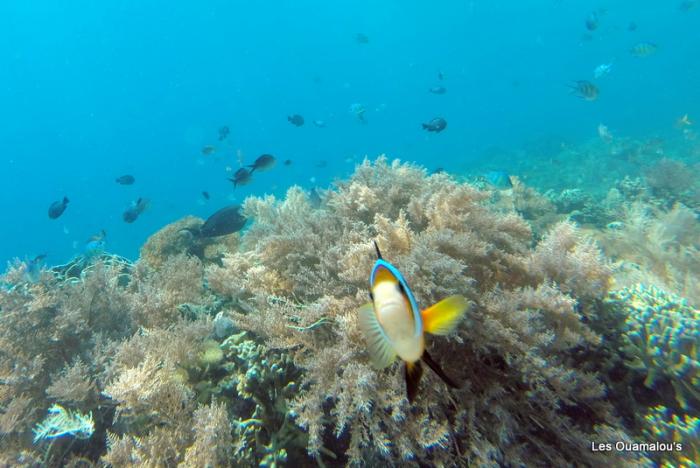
pixel 442 318
pixel 380 350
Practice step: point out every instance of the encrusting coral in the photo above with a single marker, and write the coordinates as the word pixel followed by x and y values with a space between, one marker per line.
pixel 302 273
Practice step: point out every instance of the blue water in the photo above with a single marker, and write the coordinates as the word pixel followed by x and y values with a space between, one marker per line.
pixel 93 90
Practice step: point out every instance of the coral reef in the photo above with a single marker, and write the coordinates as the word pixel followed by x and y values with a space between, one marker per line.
pixel 302 274
pixel 662 335
pixel 655 246
pixel 680 433
pixel 672 180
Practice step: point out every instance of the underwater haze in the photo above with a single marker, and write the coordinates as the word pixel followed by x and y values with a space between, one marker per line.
pixel 199 196
pixel 91 92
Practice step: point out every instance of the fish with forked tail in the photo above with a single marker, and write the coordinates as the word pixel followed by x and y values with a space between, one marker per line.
pixel 393 325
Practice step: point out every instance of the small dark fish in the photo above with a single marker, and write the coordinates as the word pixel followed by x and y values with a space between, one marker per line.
pixel 208 149
pixel 134 211
pixel 632 26
pixel 585 90
pixel 34 265
pixel 644 49
pixel 438 90
pixel 241 177
pixel 362 38
pixel 296 120
pixel 225 221
pixel 592 21
pixel 58 207
pixel 319 123
pixel 264 162
pixel 287 162
pixel 321 164
pixel 438 170
pixel 499 179
pixel 223 133
pixel 125 180
pixel 436 125
pixel 440 76
pixel 206 196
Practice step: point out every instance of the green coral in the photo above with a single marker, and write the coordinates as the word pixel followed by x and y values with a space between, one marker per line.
pixel 663 426
pixel 661 338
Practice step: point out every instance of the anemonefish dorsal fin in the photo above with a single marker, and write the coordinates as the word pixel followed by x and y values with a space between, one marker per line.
pixel 443 317
pixel 413 372
pixel 437 369
pixel 380 350
pixel 376 247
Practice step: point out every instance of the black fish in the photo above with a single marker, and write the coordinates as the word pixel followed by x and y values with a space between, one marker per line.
pixel 264 162
pixel 362 38
pixel 205 195
pixel 57 208
pixel 241 177
pixel 223 133
pixel 296 120
pixel 632 26
pixel 134 211
pixel 441 76
pixel 436 125
pixel 438 90
pixel 287 162
pixel 126 179
pixel 225 221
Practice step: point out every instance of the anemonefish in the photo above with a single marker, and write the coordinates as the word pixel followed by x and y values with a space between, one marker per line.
pixel 393 325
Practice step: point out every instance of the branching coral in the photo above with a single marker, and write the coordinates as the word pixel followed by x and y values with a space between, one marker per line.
pixel 680 433
pixel 662 336
pixel 302 274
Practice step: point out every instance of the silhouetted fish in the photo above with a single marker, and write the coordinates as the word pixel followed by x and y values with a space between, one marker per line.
pixel 438 90
pixel 287 162
pixel 362 38
pixel 632 26
pixel 264 162
pixel 585 90
pixel 58 207
pixel 296 120
pixel 208 149
pixel 134 211
pixel 241 177
pixel 223 133
pixel 436 125
pixel 205 195
pixel 125 179
pixel 225 221
pixel 592 21
pixel 644 49
pixel 499 179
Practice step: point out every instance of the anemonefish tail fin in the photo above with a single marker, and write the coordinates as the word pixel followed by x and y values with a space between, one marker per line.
pixel 443 317
pixel 380 351
pixel 413 372
pixel 436 368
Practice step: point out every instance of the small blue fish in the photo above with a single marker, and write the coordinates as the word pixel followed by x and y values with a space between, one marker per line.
pixel 499 179
pixel 393 325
